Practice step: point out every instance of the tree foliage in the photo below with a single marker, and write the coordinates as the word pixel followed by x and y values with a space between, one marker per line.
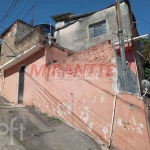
pixel 145 49
pixel 147 73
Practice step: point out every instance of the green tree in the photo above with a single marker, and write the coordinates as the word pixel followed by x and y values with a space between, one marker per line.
pixel 145 49
pixel 147 73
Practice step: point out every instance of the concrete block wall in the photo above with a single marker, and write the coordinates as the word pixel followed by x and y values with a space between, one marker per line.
pixel 8 43
pixel 23 29
pixel 77 33
pixel 18 40
pixel 33 38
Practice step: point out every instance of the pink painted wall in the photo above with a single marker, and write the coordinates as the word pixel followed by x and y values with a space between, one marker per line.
pixel 131 130
pixel 79 90
pixel 11 76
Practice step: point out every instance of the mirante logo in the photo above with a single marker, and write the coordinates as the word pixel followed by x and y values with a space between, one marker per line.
pixel 72 71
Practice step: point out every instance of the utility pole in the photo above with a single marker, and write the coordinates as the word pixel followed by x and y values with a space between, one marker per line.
pixel 121 45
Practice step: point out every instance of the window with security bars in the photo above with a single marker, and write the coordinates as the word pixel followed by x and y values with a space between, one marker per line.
pixel 97 29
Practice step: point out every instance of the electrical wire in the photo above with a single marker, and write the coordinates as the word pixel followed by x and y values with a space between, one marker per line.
pixel 9 10
pixel 83 6
pixel 13 12
pixel 143 20
pixel 35 4
pixel 25 10
pixel 22 9
pixel 9 47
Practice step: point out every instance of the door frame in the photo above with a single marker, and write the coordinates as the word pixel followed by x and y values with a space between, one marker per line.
pixel 18 80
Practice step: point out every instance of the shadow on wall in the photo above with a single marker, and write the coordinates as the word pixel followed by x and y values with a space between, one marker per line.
pixel 132 78
pixel 47 97
pixel 67 94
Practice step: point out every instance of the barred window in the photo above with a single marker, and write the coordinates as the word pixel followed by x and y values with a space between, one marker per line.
pixel 97 29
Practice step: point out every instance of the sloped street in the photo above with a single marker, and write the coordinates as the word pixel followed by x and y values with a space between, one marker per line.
pixel 41 131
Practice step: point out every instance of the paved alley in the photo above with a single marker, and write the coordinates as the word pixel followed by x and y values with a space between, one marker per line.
pixel 41 131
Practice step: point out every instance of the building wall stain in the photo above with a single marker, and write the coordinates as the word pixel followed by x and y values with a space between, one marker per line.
pixel 86 104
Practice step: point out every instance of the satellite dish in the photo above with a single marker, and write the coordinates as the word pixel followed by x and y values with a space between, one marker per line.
pixel 145 84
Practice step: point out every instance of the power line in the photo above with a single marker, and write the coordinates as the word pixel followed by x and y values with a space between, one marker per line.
pixel 9 10
pixel 83 5
pixel 29 9
pixel 143 20
pixel 22 9
pixel 9 48
pixel 35 4
pixel 11 7
pixel 13 12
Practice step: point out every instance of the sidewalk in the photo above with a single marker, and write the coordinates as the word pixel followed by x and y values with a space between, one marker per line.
pixel 41 131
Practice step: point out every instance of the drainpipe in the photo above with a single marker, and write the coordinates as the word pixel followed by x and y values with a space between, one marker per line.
pixel 112 121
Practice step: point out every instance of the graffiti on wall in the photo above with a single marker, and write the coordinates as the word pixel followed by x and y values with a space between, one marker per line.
pixel 72 71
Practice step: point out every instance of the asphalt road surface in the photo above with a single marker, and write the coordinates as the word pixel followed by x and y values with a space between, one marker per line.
pixel 28 129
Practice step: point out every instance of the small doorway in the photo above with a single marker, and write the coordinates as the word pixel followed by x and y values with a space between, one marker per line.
pixel 21 84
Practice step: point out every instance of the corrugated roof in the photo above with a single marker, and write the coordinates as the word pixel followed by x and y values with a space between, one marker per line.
pixel 70 17
pixel 62 17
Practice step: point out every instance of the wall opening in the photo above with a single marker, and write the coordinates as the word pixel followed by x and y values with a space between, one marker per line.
pixel 21 84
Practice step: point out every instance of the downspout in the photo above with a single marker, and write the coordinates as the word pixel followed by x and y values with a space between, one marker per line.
pixel 112 121
pixel 147 121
